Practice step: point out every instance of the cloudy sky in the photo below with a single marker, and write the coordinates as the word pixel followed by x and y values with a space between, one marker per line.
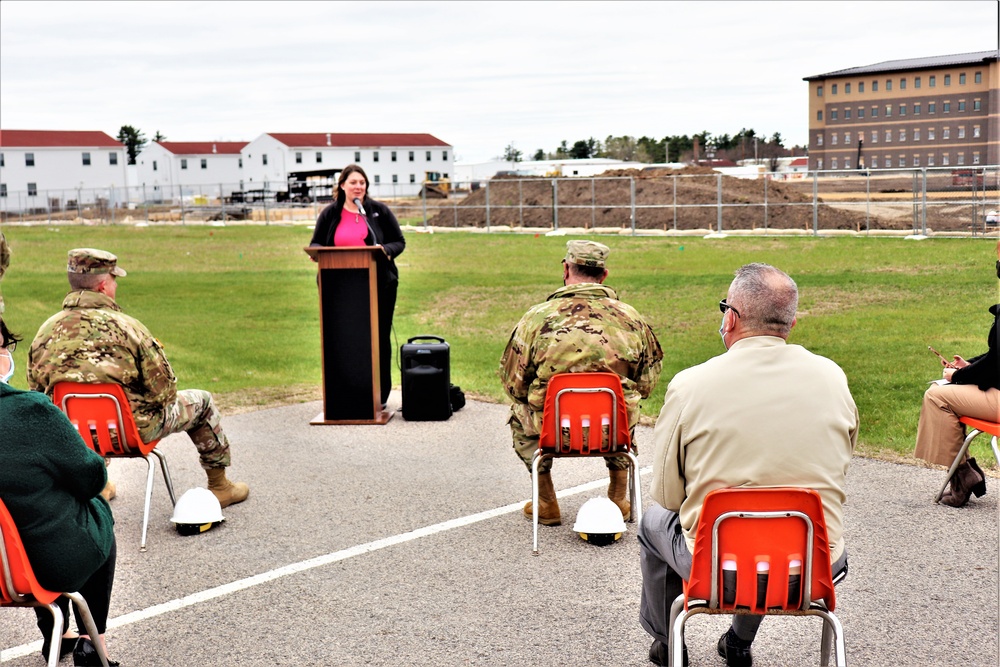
pixel 478 75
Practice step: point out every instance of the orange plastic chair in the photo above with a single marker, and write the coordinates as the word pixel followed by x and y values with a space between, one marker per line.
pixel 978 427
pixel 761 551
pixel 102 415
pixel 585 415
pixel 20 588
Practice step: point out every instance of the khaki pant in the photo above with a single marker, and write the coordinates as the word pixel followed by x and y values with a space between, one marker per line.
pixel 194 412
pixel 939 433
pixel 526 445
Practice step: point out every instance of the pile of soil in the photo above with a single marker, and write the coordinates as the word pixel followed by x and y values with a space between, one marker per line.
pixel 665 199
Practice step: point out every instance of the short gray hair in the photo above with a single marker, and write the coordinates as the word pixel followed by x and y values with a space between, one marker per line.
pixel 86 281
pixel 766 298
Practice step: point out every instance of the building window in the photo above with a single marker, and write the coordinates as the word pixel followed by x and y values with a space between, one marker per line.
pixel 902 161
pixel 977 105
pixel 298 157
pixel 888 84
pixel 847 138
pixel 916 134
pixel 29 159
pixel 411 152
pixel 847 163
pixel 264 158
pixel 819 115
pixel 847 89
pixel 847 114
pixel 902 135
pixel 861 112
pixel 444 156
pixel 888 136
pixel 833 114
pixel 931 107
pixel 319 157
pixel 833 139
pixel 874 112
pixel 204 163
pixel 357 157
pixel 916 109
pixel 240 163
pixel 916 82
pixel 819 139
pixel 32 189
pixel 975 131
pixel 428 156
pixel 86 159
pixel 946 107
pixel 932 81
pixel 961 158
pixel 946 133
pixel 874 136
pixel 184 163
pixel 833 163
pixel 930 134
pixel 819 163
pixel 945 160
pixel 154 165
pixel 902 109
pixel 961 132
pixel 874 86
pixel 975 157
pixel 916 161
pixel 902 84
pixel 395 178
pixel 833 89
pixel 961 79
pixel 947 79
pixel 861 86
pixel 1 160
pixel 888 110
pixel 979 77
pixel 392 156
pixel 3 189
pixel 375 156
pixel 961 105
pixel 413 178
pixel 112 158
pixel 378 179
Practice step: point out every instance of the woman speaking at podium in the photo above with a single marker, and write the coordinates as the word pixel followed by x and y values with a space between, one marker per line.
pixel 356 220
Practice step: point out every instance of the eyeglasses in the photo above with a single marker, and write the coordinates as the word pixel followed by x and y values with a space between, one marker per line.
pixel 723 307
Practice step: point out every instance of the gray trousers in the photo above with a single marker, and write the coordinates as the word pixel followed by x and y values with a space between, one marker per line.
pixel 666 564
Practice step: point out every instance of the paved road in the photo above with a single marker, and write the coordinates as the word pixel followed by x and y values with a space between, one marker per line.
pixel 404 544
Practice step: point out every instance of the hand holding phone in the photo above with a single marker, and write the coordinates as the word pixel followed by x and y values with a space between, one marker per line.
pixel 944 362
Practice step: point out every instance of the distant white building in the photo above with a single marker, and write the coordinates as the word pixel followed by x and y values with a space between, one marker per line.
pixel 190 168
pixel 477 172
pixel 53 169
pixel 396 164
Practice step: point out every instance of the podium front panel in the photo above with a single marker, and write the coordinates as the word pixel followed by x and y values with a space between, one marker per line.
pixel 347 344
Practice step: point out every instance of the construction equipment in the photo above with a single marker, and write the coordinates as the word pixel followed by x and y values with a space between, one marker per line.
pixel 435 185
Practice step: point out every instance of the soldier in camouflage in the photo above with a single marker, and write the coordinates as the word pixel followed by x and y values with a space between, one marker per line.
pixel 581 327
pixel 91 340
pixel 4 263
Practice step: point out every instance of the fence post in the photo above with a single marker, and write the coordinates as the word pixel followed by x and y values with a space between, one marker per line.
pixel 111 203
pixel 718 199
pixel 48 207
pixel 675 202
pixel 923 208
pixel 423 202
pixel 631 183
pixel 868 199
pixel 766 179
pixel 267 214
pixel 593 203
pixel 815 202
pixel 555 203
pixel 222 200
pixel 487 207
pixel 520 202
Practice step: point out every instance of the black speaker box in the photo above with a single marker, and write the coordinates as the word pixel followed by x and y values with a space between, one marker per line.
pixel 426 379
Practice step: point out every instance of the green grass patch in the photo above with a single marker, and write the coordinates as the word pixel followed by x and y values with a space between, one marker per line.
pixel 236 307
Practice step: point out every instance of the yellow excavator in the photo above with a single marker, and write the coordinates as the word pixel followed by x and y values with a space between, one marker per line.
pixel 435 185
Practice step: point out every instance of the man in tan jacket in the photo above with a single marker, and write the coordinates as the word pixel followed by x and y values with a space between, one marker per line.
pixel 765 413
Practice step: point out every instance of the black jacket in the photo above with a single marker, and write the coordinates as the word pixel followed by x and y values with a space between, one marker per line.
pixel 381 222
pixel 984 370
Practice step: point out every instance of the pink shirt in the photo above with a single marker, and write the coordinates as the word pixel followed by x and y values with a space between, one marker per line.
pixel 351 231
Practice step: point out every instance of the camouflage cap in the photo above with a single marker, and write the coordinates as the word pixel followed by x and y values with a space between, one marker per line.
pixel 89 260
pixel 587 253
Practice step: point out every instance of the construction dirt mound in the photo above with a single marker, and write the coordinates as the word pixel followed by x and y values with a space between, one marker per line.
pixel 664 199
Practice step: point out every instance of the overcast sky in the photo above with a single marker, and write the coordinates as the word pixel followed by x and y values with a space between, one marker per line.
pixel 478 75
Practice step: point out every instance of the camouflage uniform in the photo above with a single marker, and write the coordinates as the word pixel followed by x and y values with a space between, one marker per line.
pixel 92 340
pixel 4 263
pixel 579 328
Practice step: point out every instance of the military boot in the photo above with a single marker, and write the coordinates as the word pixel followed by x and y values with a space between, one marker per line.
pixel 548 506
pixel 618 490
pixel 227 492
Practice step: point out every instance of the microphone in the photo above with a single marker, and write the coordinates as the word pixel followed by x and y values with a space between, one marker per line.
pixel 361 210
pixel 357 202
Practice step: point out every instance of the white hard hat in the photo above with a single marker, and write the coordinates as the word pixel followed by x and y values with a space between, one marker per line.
pixel 197 510
pixel 599 522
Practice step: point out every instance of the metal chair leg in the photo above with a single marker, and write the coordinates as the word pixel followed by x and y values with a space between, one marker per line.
pixel 149 497
pixel 958 460
pixel 635 489
pixel 55 638
pixel 89 625
pixel 166 475
pixel 534 503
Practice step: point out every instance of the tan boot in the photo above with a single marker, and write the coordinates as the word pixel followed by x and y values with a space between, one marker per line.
pixel 548 506
pixel 618 490
pixel 109 491
pixel 227 492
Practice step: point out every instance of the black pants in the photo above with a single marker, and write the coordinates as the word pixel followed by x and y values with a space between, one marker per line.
pixel 386 307
pixel 96 591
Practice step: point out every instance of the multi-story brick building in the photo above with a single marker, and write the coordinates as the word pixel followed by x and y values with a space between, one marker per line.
pixel 939 111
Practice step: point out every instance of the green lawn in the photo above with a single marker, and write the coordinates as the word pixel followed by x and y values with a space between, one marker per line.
pixel 236 306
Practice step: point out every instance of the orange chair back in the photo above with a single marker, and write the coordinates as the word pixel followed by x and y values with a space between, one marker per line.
pixel 102 415
pixel 584 415
pixel 776 541
pixel 17 579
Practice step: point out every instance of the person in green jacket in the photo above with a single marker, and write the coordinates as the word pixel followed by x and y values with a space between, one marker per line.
pixel 50 482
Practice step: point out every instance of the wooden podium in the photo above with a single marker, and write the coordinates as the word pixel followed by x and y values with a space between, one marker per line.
pixel 348 319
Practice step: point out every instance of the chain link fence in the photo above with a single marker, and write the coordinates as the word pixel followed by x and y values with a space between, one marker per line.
pixel 954 201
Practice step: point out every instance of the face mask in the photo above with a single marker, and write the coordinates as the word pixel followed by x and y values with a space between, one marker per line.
pixel 10 373
pixel 722 330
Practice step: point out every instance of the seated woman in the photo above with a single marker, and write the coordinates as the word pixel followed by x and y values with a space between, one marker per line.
pixel 973 391
pixel 51 484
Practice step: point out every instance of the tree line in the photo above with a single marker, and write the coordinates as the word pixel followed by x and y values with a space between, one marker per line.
pixel 746 144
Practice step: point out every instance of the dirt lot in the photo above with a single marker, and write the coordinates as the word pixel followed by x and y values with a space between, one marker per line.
pixel 688 199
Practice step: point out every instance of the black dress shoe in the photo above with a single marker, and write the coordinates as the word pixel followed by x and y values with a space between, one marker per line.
pixel 659 654
pixel 85 655
pixel 736 651
pixel 66 645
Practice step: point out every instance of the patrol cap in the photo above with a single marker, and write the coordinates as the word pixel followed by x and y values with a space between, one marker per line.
pixel 587 253
pixel 90 260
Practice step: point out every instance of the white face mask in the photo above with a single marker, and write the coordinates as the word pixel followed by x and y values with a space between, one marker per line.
pixel 4 377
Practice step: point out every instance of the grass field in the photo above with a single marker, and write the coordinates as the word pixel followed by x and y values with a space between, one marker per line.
pixel 236 307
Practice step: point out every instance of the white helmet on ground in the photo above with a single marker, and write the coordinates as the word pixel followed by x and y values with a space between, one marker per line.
pixel 197 510
pixel 599 522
